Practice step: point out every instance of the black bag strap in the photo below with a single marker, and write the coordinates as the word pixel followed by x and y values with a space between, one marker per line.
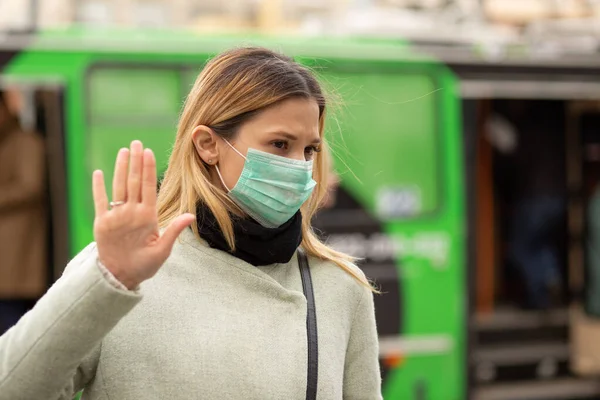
pixel 311 328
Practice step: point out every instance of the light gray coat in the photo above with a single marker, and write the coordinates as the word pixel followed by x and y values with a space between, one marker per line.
pixel 207 326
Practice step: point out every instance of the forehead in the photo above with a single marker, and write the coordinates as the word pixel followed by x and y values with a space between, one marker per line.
pixel 298 115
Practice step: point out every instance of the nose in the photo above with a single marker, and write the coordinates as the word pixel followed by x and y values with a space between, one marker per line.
pixel 298 155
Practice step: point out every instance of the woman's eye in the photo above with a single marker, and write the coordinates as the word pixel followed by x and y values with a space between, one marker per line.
pixel 310 151
pixel 280 144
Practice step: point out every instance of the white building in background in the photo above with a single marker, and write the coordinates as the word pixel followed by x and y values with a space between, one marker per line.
pixel 103 13
pixel 15 15
pixel 573 23
pixel 211 15
pixel 64 13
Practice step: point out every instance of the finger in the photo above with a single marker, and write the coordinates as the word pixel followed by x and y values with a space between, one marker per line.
pixel 149 179
pixel 99 193
pixel 119 192
pixel 134 179
pixel 174 230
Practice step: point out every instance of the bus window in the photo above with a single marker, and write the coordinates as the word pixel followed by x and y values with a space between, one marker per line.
pixel 131 103
pixel 386 133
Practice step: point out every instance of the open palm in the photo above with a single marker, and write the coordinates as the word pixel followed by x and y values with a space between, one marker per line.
pixel 127 234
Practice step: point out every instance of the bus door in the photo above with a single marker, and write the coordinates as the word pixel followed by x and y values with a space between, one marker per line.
pixel 38 105
pixel 399 206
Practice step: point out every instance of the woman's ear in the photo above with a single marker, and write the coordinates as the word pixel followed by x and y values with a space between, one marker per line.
pixel 205 142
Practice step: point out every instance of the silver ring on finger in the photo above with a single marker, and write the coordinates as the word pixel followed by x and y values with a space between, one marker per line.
pixel 116 203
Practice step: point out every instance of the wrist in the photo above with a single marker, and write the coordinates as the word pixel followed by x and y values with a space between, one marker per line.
pixel 116 277
pixel 130 284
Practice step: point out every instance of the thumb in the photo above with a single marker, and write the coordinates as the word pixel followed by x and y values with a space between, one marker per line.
pixel 174 229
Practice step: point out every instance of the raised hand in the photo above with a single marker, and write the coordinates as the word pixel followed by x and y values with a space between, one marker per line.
pixel 127 235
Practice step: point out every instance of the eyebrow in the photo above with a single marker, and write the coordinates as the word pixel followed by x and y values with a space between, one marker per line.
pixel 290 136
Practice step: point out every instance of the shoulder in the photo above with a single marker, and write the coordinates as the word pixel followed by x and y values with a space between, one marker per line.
pixel 30 142
pixel 333 270
pixel 188 247
pixel 189 252
pixel 28 137
pixel 331 278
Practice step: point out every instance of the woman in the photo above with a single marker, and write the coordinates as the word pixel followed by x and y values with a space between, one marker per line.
pixel 219 313
pixel 23 252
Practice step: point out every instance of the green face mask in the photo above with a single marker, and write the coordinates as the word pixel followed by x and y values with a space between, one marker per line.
pixel 271 189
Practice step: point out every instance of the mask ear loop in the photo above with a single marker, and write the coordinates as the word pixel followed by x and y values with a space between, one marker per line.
pixel 221 178
pixel 234 149
pixel 217 166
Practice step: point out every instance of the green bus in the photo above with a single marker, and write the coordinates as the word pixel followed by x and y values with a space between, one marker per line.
pixel 398 149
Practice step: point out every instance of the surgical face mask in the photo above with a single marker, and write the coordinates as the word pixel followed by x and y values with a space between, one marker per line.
pixel 271 189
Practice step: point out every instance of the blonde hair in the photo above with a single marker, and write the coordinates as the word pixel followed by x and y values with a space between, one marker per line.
pixel 232 88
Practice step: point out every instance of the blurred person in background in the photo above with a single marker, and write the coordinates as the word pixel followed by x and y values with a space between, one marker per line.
pixel 156 309
pixel 592 259
pixel 592 283
pixel 536 190
pixel 23 232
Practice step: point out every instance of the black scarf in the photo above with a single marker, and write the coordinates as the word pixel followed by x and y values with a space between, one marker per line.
pixel 254 243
